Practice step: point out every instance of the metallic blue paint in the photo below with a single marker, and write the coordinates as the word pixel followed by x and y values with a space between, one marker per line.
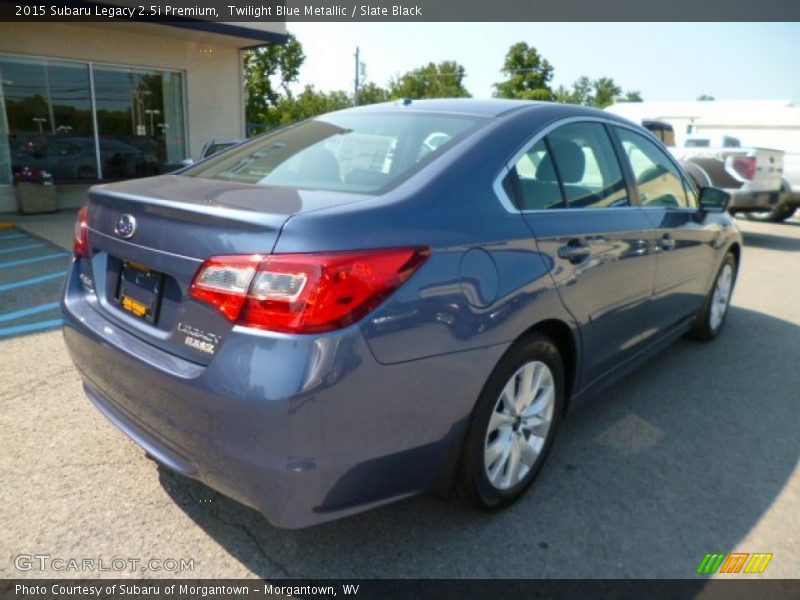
pixel 307 428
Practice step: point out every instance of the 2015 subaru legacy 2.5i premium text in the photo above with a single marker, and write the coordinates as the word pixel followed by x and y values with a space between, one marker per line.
pixel 390 299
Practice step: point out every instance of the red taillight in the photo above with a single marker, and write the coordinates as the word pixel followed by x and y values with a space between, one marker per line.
pixel 80 239
pixel 304 293
pixel 745 166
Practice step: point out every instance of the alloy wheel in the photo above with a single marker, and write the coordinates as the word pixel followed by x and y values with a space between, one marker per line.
pixel 519 425
pixel 722 294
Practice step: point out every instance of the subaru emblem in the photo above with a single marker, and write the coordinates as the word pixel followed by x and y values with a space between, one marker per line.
pixel 126 226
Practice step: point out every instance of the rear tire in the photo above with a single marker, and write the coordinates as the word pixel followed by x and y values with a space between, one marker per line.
pixel 513 425
pixel 715 310
pixel 777 215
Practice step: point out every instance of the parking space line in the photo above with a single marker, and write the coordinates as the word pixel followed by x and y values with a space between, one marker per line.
pixel 20 248
pixel 33 310
pixel 50 324
pixel 13 236
pixel 32 281
pixel 27 261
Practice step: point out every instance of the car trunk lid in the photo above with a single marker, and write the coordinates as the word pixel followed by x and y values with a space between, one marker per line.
pixel 148 238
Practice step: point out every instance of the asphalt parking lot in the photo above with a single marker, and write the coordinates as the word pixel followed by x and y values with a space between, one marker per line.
pixel 697 452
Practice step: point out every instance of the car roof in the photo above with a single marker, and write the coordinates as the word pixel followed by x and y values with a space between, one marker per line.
pixel 491 107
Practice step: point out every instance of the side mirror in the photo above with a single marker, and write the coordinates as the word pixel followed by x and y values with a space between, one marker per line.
pixel 714 200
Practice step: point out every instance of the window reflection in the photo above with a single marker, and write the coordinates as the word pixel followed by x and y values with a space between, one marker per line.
pixel 46 121
pixel 140 121
pixel 48 118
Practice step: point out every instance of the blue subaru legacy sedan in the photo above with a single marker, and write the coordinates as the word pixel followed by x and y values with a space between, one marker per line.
pixel 391 299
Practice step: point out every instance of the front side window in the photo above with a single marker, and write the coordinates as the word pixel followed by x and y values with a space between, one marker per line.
pixel 573 167
pixel 340 152
pixel 659 181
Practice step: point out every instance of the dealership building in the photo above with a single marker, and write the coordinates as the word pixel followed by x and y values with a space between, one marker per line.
pixel 93 102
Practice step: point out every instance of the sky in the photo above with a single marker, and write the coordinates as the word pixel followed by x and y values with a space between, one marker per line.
pixel 664 61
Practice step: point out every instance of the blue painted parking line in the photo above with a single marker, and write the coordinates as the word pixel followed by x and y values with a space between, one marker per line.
pixel 27 261
pixel 32 281
pixel 20 248
pixel 40 326
pixel 29 287
pixel 25 312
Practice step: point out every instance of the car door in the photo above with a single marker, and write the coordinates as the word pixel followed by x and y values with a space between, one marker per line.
pixel 684 240
pixel 572 192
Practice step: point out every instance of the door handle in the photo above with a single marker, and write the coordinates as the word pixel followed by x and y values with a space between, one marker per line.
pixel 667 242
pixel 574 251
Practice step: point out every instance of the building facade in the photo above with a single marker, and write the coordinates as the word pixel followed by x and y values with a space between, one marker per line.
pixel 95 102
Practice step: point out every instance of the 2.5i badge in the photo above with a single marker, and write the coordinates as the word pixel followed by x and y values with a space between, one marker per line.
pixel 199 339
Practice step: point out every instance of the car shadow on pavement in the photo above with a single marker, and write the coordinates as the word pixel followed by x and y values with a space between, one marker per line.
pixel 771 241
pixel 682 458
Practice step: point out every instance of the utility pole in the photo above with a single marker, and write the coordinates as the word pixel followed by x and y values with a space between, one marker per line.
pixel 357 79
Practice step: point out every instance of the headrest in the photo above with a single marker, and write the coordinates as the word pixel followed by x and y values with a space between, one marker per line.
pixel 571 162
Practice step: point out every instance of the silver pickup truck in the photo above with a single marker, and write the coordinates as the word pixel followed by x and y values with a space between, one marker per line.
pixel 752 176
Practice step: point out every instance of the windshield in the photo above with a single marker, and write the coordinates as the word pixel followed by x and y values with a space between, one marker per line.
pixel 340 152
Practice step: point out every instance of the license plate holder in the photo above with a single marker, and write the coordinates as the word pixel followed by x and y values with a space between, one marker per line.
pixel 139 291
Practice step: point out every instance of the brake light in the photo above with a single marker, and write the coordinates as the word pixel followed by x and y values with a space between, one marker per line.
pixel 745 166
pixel 80 239
pixel 304 293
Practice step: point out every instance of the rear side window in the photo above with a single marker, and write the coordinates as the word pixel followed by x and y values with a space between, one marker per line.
pixel 659 181
pixel 573 167
pixel 340 152
pixel 537 183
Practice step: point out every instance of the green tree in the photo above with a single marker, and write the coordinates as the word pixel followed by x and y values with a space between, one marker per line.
pixel 371 93
pixel 605 91
pixel 705 98
pixel 266 68
pixel 309 103
pixel 442 80
pixel 632 96
pixel 527 74
pixel 581 92
pixel 599 93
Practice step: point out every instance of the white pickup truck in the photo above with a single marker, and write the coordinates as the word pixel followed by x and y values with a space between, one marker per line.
pixel 752 176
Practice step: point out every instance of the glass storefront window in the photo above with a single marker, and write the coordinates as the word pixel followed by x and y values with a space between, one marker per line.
pixel 47 124
pixel 139 120
pixel 48 118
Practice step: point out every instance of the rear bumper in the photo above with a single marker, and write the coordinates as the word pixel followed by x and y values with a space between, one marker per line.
pixel 302 428
pixel 753 201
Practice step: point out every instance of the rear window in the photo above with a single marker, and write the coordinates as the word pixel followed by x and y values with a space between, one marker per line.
pixel 340 152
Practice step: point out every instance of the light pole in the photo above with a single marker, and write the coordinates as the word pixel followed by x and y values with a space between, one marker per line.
pixel 356 81
pixel 152 112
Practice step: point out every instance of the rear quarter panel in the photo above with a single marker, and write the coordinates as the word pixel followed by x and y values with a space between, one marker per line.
pixel 485 282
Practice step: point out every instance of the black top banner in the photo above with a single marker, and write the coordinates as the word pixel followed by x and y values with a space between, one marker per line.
pixel 400 10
